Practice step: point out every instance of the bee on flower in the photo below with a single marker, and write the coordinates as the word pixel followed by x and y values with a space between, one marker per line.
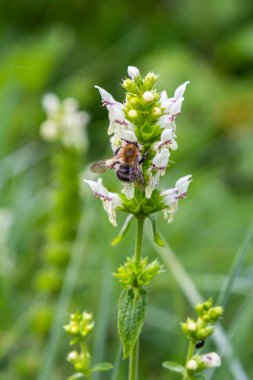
pixel 143 137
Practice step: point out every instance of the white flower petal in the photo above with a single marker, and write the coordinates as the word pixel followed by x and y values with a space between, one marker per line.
pixel 182 184
pixel 128 190
pixel 180 90
pixel 133 72
pixel 176 107
pixel 129 136
pixel 161 159
pixel 106 97
pixel 97 188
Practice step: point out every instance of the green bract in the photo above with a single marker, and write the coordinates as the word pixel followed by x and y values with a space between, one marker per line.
pixel 137 274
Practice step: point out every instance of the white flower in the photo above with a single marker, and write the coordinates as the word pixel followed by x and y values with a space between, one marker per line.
pixel 172 196
pixel 118 121
pixel 192 365
pixel 167 140
pixel 158 168
pixel 64 122
pixel 133 72
pixel 172 106
pixel 211 360
pixel 111 201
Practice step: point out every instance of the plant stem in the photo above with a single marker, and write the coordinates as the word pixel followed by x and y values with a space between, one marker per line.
pixel 189 356
pixel 134 357
pixel 137 253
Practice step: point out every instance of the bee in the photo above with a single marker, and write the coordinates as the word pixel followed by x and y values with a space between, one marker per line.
pixel 126 163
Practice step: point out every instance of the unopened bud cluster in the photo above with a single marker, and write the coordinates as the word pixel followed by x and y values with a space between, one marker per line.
pixel 202 328
pixel 79 326
pixel 137 274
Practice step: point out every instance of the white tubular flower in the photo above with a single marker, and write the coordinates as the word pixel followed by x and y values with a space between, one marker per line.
pixel 159 165
pixel 133 72
pixel 118 121
pixel 64 122
pixel 172 196
pixel 128 190
pixel 172 106
pixel 111 201
pixel 167 141
pixel 211 360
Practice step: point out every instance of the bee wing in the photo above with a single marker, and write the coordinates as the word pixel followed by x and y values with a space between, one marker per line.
pixel 135 173
pixel 103 165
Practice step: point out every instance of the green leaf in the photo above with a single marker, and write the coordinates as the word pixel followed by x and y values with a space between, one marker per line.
pixel 101 367
pixel 173 367
pixel 131 314
pixel 123 230
pixel 157 237
pixel 78 375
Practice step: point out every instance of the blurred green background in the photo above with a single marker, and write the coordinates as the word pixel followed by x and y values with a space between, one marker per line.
pixel 67 48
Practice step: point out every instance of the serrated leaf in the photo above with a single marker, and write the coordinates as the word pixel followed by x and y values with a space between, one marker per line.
pixel 157 237
pixel 78 375
pixel 101 367
pixel 123 230
pixel 174 367
pixel 131 314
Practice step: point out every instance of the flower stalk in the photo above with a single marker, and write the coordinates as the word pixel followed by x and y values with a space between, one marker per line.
pixel 142 133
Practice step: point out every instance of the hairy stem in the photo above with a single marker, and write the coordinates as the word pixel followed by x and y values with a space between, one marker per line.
pixel 189 356
pixel 134 356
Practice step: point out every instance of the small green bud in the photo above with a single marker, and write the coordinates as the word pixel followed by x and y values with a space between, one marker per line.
pixel 215 313
pixel 199 309
pixel 134 101
pixel 130 86
pixel 150 80
pixel 205 332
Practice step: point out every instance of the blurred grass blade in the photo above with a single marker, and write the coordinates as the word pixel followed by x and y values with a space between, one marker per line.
pixel 115 374
pixel 190 291
pixel 68 286
pixel 235 268
pixel 102 315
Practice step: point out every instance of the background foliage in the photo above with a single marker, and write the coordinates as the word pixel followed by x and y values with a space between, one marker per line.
pixel 66 48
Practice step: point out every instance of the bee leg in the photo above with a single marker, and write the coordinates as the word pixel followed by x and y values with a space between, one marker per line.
pixel 117 150
pixel 143 158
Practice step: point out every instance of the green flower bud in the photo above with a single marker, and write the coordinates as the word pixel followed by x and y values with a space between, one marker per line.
pixel 150 80
pixel 215 313
pixel 134 101
pixel 130 85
